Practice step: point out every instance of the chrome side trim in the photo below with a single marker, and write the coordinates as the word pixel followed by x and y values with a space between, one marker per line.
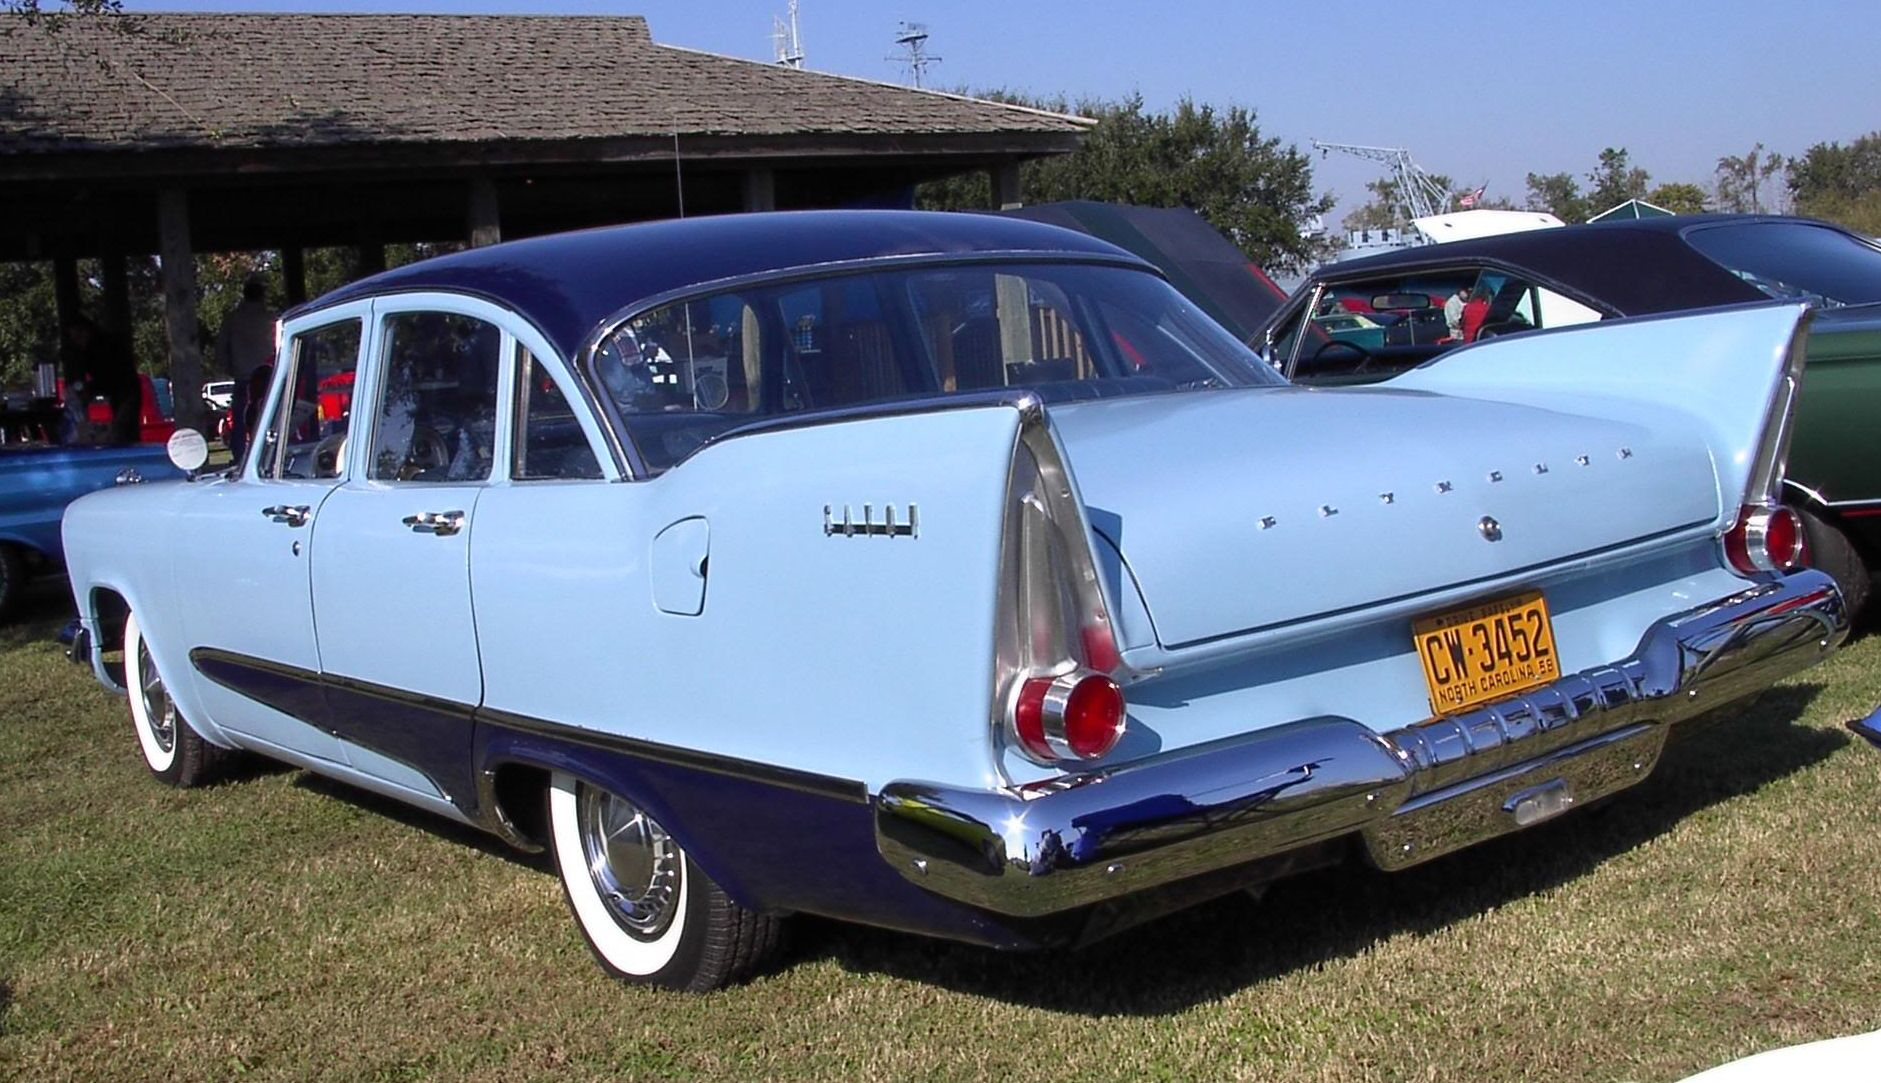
pixel 1409 794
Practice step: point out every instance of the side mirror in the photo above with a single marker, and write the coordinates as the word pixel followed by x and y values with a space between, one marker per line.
pixel 188 450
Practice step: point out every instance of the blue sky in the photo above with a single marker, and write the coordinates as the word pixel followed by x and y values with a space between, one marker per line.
pixel 1483 92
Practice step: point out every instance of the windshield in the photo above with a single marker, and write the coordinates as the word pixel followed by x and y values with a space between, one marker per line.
pixel 1795 260
pixel 679 375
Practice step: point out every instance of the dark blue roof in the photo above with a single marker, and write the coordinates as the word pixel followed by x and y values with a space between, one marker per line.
pixel 567 283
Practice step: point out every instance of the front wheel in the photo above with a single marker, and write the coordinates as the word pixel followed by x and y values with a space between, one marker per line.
pixel 173 751
pixel 646 910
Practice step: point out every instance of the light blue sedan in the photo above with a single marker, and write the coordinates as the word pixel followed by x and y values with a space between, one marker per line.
pixel 948 573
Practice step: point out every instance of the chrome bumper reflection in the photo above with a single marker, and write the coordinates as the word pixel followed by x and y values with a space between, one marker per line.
pixel 1410 794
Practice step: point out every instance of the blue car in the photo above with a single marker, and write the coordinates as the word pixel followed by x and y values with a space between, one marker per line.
pixel 36 484
pixel 948 573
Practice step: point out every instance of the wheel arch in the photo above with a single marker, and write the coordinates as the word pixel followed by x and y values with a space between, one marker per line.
pixel 514 771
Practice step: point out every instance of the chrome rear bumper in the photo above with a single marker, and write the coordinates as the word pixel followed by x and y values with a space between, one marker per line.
pixel 1410 794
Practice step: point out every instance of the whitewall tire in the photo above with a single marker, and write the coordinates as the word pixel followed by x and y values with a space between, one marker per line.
pixel 648 913
pixel 173 751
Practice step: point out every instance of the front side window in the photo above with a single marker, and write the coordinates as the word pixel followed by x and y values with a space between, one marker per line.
pixel 305 435
pixel 436 417
pixel 679 375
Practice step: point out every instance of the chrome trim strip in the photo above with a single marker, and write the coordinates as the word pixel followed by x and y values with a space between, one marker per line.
pixel 1119 830
pixel 790 778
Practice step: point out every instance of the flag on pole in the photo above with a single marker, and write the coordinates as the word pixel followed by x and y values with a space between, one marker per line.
pixel 1469 199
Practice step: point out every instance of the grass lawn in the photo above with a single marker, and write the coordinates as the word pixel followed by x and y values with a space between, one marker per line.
pixel 280 927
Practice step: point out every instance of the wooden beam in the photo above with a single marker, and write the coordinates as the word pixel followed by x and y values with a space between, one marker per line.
pixel 294 273
pixel 179 306
pixel 485 226
pixel 760 190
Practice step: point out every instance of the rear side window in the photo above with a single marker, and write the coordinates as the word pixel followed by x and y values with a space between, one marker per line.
pixel 1795 260
pixel 680 375
pixel 436 416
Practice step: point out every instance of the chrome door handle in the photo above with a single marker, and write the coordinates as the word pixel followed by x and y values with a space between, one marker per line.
pixel 441 523
pixel 291 514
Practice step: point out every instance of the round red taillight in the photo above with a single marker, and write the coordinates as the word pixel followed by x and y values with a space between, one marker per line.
pixel 1783 543
pixel 1073 716
pixel 1767 538
pixel 1093 716
pixel 1028 717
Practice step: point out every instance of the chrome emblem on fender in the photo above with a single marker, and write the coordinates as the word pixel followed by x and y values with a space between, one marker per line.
pixel 1492 530
pixel 848 527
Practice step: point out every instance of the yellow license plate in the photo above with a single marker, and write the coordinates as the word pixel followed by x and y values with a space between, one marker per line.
pixel 1488 651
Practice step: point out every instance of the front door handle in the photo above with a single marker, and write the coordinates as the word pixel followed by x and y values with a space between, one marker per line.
pixel 291 514
pixel 441 523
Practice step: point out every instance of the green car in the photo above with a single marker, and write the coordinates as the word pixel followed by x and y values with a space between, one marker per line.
pixel 1524 282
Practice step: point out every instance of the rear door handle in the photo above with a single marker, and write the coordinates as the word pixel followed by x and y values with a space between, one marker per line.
pixel 441 523
pixel 291 514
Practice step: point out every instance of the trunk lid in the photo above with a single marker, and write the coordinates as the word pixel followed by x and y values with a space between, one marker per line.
pixel 1238 511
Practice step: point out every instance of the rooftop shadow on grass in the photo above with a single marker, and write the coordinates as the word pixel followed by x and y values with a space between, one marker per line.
pixel 6 1003
pixel 1220 947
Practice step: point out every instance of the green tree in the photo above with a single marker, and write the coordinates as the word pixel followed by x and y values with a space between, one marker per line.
pixel 1559 194
pixel 1253 189
pixel 1840 184
pixel 1740 179
pixel 1678 197
pixel 1614 181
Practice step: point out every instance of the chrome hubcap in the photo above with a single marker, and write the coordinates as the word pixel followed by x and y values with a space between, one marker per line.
pixel 157 706
pixel 635 865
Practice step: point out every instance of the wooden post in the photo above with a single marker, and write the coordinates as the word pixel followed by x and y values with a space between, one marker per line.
pixel 117 297
pixel 65 301
pixel 371 258
pixel 294 274
pixel 1005 178
pixel 760 190
pixel 179 306
pixel 485 224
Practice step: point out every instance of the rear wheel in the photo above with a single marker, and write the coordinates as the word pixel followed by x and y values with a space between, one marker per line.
pixel 173 751
pixel 647 911
pixel 1831 552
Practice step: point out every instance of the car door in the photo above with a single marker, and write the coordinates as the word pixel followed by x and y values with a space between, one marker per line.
pixel 244 565
pixel 391 581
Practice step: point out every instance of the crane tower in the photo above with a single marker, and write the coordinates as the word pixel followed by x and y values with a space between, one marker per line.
pixel 1419 194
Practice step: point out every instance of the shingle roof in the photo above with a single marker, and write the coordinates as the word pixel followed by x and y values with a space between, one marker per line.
pixel 208 81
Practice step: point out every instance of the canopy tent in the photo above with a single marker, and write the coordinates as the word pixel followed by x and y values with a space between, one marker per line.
pixel 1632 208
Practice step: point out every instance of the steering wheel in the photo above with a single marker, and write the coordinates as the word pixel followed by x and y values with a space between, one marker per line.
pixel 328 455
pixel 1364 355
pixel 427 451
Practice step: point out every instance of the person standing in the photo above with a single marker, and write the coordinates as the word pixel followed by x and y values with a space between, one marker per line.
pixel 245 344
pixel 1453 311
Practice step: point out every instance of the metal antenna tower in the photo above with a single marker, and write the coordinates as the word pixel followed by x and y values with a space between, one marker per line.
pixel 1419 194
pixel 784 40
pixel 913 38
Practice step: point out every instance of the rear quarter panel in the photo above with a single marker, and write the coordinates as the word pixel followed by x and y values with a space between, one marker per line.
pixel 866 657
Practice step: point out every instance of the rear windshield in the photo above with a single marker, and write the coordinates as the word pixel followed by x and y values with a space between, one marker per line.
pixel 1795 260
pixel 680 375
